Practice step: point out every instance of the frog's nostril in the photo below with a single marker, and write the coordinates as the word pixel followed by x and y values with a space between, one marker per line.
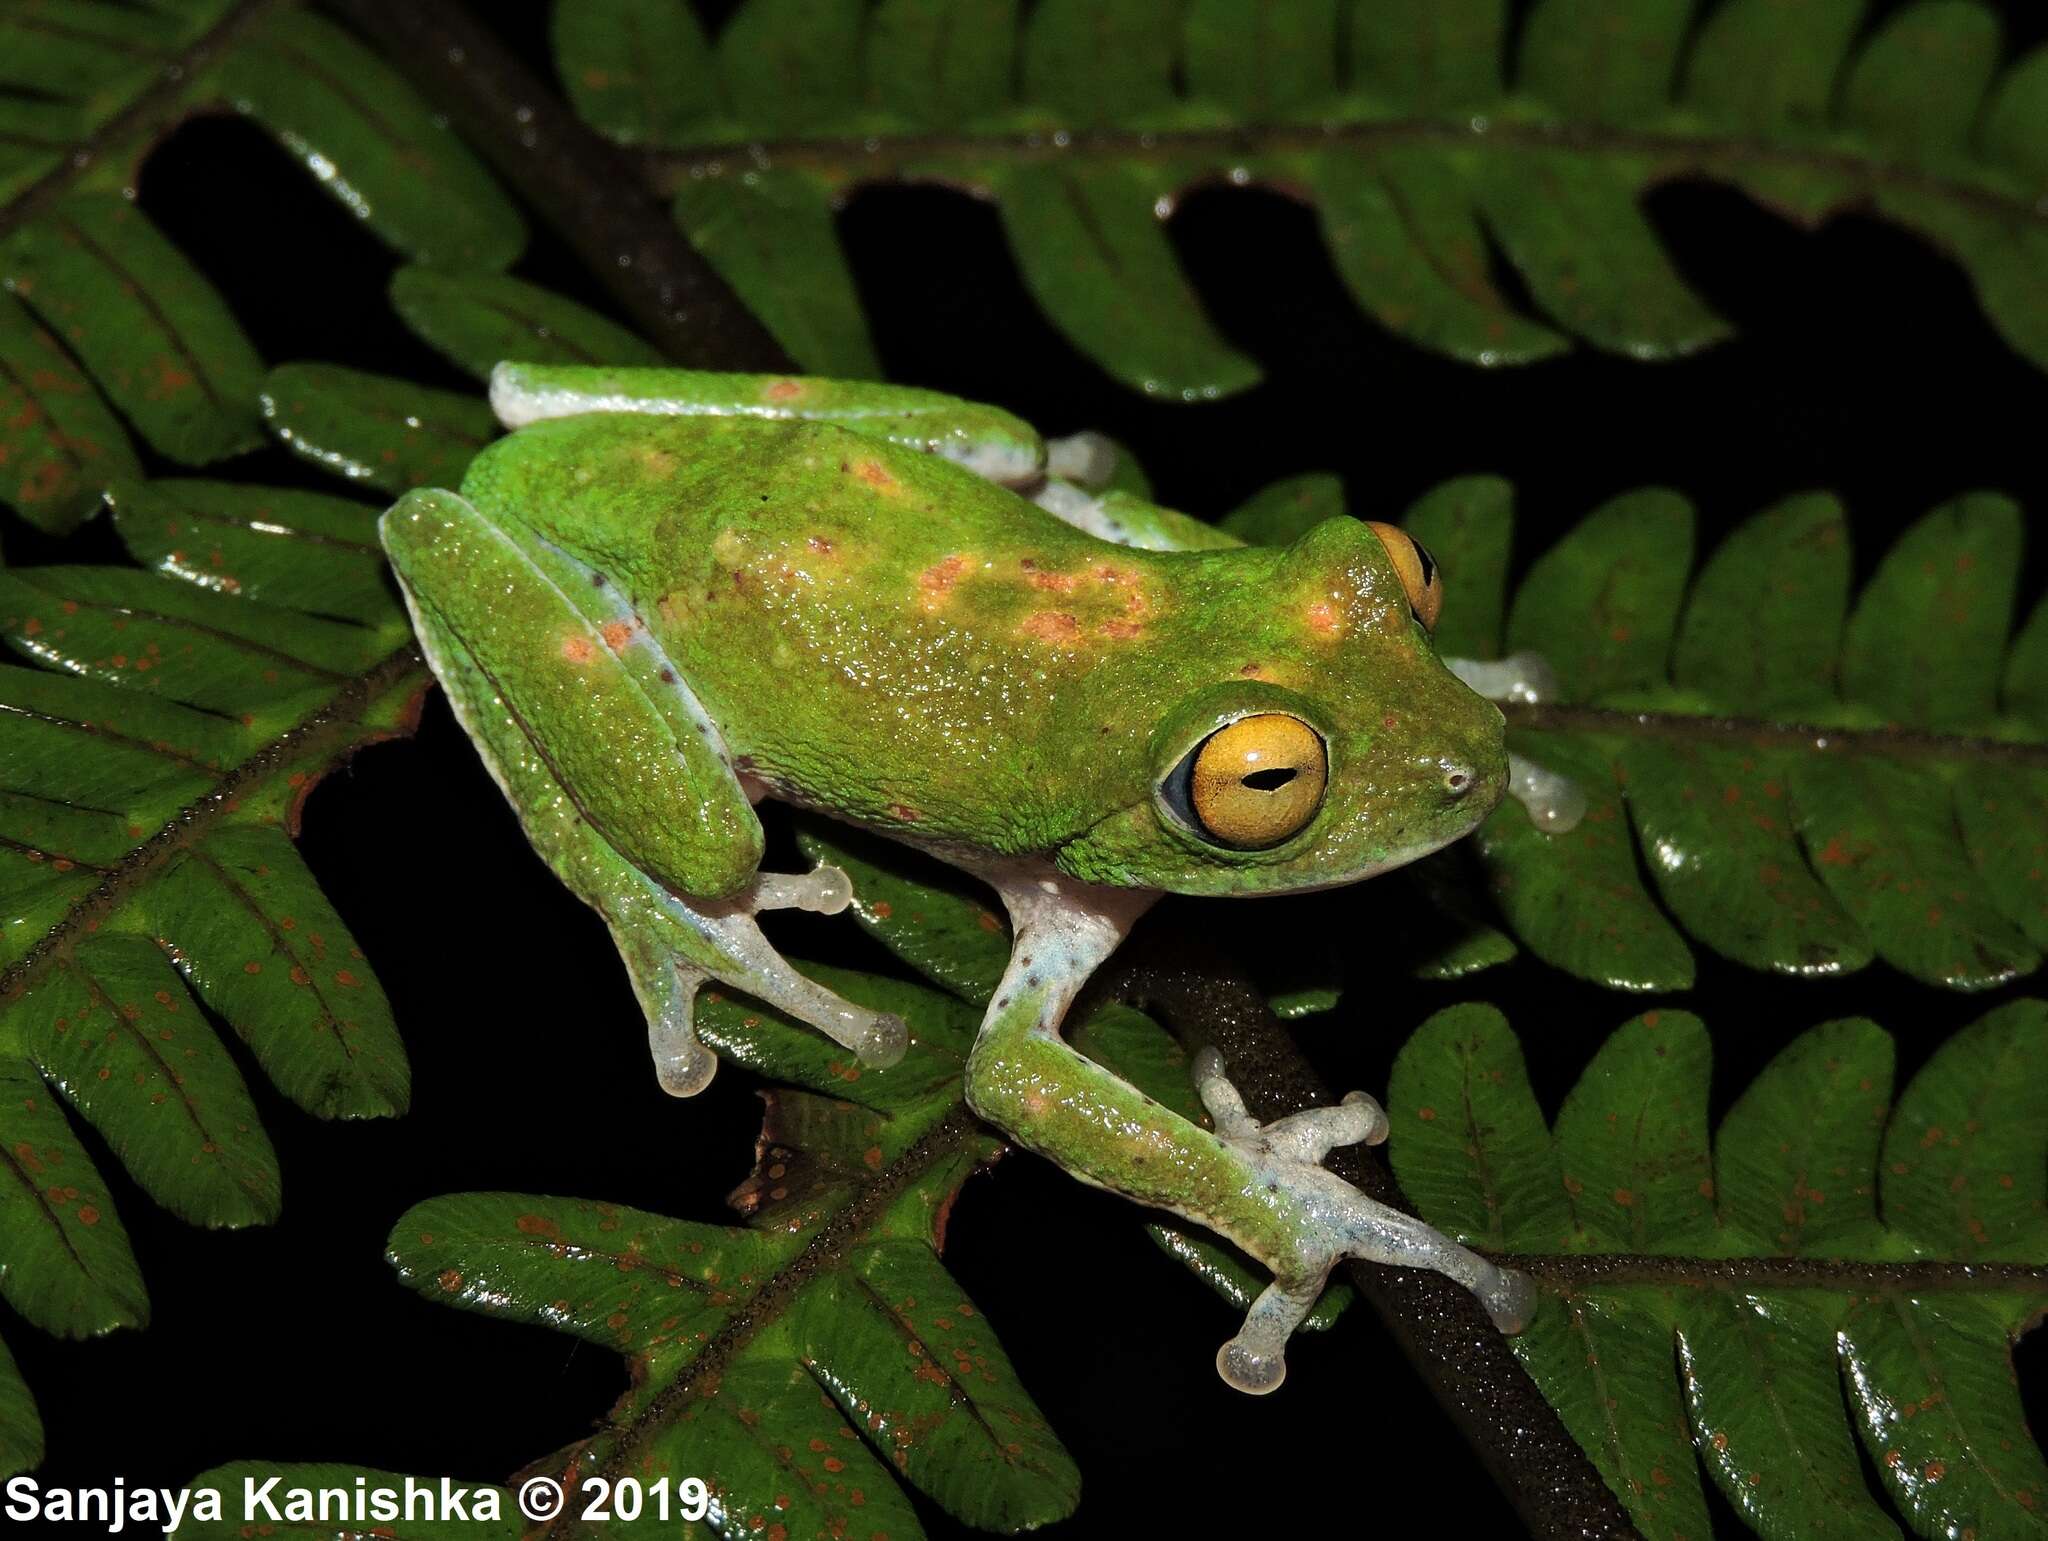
pixel 1458 780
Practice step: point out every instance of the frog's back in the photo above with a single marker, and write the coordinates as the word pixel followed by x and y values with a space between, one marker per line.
pixel 873 628
pixel 644 491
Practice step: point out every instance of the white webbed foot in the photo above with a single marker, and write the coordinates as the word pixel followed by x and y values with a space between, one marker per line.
pixel 1337 1221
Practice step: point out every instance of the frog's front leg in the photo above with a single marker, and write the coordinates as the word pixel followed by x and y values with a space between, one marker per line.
pixel 1262 1188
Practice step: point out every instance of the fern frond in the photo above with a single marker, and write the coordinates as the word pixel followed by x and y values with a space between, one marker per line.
pixel 1826 1245
pixel 844 1358
pixel 152 770
pixel 1419 142
pixel 105 311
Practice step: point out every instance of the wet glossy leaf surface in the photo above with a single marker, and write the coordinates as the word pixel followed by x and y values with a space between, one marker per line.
pixel 478 320
pixel 59 443
pixel 1764 1350
pixel 382 432
pixel 1424 136
pixel 151 771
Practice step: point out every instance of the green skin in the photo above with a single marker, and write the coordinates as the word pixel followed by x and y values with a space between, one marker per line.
pixel 672 594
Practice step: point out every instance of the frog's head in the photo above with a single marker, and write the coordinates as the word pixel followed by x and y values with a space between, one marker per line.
pixel 1335 745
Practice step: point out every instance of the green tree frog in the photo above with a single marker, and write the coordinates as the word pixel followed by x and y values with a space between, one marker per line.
pixel 668 595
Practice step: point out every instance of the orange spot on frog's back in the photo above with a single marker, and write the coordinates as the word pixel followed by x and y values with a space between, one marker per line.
pixel 875 474
pixel 577 649
pixel 1054 626
pixel 783 390
pixel 617 634
pixel 937 580
pixel 1322 618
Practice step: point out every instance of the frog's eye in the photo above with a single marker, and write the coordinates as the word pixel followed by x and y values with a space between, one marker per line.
pixel 1418 570
pixel 1252 783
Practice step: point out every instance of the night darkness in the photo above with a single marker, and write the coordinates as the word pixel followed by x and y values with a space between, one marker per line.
pixel 1862 364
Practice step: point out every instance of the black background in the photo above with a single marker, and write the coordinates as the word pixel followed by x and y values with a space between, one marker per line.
pixel 1862 364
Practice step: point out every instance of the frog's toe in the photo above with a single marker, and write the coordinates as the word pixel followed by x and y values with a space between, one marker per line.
pixel 1087 459
pixel 1312 1134
pixel 1249 1369
pixel 885 1042
pixel 1510 1299
pixel 822 891
pixel 1255 1361
pixel 1555 803
pixel 682 1064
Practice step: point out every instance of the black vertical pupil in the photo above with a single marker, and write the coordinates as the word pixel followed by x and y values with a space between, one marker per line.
pixel 1428 562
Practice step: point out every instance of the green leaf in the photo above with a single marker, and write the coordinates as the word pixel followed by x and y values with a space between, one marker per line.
pixel 1616 64
pixel 477 320
pixel 1602 604
pixel 115 1031
pixel 1763 624
pixel 371 142
pixel 156 338
pixel 639 71
pixel 1485 1169
pixel 942 62
pixel 301 550
pixel 1924 644
pixel 1282 513
pixel 21 1431
pixel 932 920
pixel 68 1268
pixel 1467 524
pixel 151 773
pixel 1632 1139
pixel 1918 82
pixel 1575 899
pixel 769 233
pixel 793 66
pixel 1773 1279
pixel 1738 738
pixel 59 444
pixel 1263 61
pixel 1966 1154
pixel 1429 55
pixel 1096 62
pixel 1095 257
pixel 387 433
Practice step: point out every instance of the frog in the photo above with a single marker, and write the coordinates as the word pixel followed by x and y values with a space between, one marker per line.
pixel 667 596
